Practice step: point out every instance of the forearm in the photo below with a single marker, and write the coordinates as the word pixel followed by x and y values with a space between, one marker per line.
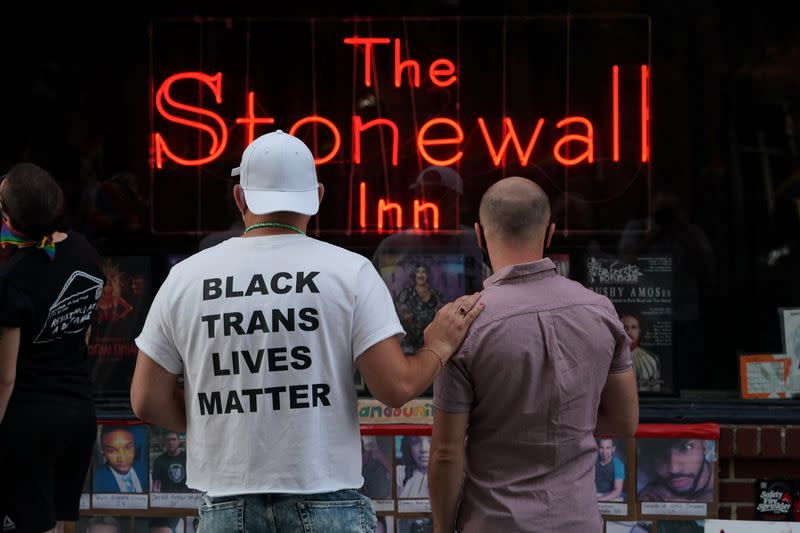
pixel 5 396
pixel 445 477
pixel 419 373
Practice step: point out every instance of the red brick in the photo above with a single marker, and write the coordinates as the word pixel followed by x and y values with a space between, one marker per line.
pixel 766 468
pixel 746 441
pixel 793 441
pixel 725 468
pixel 745 512
pixel 736 491
pixel 726 442
pixel 771 442
pixel 724 512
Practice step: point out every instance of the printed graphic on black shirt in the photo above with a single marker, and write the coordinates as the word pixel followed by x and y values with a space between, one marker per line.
pixel 72 310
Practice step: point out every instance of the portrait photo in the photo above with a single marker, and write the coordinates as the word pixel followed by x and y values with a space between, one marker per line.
pixel 629 527
pixel 676 470
pixel 610 469
pixel 420 285
pixel 681 526
pixel 411 474
pixel 415 525
pixel 120 460
pixel 168 461
pixel 376 466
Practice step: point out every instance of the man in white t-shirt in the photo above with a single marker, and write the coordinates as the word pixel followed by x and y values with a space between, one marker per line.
pixel 268 330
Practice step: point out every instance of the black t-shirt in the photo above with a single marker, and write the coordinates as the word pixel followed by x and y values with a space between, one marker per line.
pixel 52 302
pixel 171 472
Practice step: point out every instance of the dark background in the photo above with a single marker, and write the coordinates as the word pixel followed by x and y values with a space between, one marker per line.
pixel 726 109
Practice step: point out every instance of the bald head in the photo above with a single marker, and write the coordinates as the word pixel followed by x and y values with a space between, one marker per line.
pixel 516 209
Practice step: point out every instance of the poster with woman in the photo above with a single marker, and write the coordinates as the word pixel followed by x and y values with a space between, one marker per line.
pixel 412 453
pixel 420 285
pixel 641 291
pixel 120 315
pixel 377 470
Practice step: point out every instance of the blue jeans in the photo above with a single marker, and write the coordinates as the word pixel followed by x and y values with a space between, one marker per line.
pixel 344 511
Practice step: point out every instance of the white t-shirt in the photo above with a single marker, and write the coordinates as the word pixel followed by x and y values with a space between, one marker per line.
pixel 266 331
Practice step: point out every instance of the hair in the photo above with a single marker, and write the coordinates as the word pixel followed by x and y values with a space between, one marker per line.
pixel 32 200
pixel 516 208
pixel 103 521
pixel 163 522
pixel 407 459
pixel 111 429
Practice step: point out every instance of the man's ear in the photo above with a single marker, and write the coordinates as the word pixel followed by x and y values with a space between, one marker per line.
pixel 551 230
pixel 477 228
pixel 321 191
pixel 238 197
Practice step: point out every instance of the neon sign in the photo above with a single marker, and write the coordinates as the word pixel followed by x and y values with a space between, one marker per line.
pixel 207 105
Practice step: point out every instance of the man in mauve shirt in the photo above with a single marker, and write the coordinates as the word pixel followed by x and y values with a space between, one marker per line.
pixel 543 368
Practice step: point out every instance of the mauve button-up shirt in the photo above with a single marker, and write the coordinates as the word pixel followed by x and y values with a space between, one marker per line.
pixel 530 374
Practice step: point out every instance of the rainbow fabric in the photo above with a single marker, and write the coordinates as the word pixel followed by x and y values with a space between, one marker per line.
pixel 10 237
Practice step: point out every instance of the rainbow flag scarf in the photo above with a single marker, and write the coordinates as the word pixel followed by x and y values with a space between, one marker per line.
pixel 10 237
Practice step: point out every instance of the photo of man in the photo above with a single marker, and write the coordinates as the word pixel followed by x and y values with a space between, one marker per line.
pixel 168 469
pixel 415 525
pixel 102 524
pixel 609 470
pixel 681 526
pixel 120 461
pixel 676 470
pixel 376 467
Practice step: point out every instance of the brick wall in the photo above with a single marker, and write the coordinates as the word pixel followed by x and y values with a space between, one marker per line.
pixel 747 453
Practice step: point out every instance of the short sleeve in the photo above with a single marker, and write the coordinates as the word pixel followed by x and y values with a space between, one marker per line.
pixel 374 316
pixel 452 390
pixel 619 469
pixel 157 338
pixel 622 359
pixel 16 308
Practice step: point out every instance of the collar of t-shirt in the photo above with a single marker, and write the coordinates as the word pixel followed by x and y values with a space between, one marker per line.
pixel 544 266
pixel 127 482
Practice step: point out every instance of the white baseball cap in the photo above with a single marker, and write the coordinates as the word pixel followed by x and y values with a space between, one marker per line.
pixel 277 173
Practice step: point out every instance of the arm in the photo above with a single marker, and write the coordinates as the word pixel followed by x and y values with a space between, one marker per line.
pixel 618 413
pixel 446 467
pixel 615 494
pixel 155 396
pixel 394 378
pixel 9 348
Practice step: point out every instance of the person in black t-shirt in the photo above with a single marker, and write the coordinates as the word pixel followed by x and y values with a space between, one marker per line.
pixel 169 468
pixel 49 285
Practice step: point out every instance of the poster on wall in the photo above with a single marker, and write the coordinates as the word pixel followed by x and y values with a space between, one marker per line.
pixel 641 291
pixel 412 453
pixel 168 487
pixel 121 311
pixel 416 524
pixel 611 476
pixel 385 524
pixel 764 376
pixel 790 327
pixel 676 477
pixel 120 477
pixel 777 500
pixel 377 470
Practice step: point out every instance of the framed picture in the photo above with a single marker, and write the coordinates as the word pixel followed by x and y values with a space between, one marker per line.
pixel 120 477
pixel 764 376
pixel 416 524
pixel 613 476
pixel 790 327
pixel 168 487
pixel 104 524
pixel 629 527
pixel 160 524
pixel 377 469
pixel 676 477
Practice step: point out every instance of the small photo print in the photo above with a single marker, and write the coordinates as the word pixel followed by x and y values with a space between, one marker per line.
pixel 411 456
pixel 681 526
pixel 610 469
pixel 192 524
pixel 162 524
pixel 385 524
pixel 120 460
pixel 376 467
pixel 415 525
pixel 629 527
pixel 676 470
pixel 104 524
pixel 168 461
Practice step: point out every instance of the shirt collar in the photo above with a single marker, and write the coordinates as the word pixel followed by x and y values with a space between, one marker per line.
pixel 542 266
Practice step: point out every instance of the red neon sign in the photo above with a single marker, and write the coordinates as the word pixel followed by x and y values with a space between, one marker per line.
pixel 251 119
